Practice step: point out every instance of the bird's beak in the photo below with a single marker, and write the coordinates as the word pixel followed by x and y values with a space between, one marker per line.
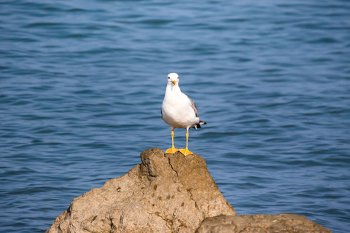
pixel 173 82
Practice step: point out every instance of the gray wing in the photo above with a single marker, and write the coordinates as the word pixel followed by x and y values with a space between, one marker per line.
pixel 194 107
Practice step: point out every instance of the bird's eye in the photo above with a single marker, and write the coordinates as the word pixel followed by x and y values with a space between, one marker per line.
pixel 168 77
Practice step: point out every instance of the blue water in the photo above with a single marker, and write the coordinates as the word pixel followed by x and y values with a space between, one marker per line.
pixel 81 85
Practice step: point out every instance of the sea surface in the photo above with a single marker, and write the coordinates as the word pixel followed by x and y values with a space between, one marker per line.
pixel 82 83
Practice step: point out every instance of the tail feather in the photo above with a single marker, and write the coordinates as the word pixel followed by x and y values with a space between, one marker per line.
pixel 196 126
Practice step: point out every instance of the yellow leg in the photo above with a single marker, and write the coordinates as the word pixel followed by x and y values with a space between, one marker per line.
pixel 186 151
pixel 172 150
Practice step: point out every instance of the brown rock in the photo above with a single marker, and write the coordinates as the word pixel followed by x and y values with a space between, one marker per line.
pixel 170 193
pixel 281 223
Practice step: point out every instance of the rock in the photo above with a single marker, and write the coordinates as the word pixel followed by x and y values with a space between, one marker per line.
pixel 165 193
pixel 168 193
pixel 280 223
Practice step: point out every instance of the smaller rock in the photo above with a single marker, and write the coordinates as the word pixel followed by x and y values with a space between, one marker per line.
pixel 280 223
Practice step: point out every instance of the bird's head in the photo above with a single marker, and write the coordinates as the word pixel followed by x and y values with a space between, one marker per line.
pixel 173 79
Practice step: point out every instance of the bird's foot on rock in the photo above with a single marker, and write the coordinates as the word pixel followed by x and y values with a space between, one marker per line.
pixel 186 151
pixel 171 150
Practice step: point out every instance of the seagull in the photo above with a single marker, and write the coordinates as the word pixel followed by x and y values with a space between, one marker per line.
pixel 179 111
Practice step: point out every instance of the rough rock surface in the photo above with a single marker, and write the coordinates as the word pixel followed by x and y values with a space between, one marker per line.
pixel 170 193
pixel 281 223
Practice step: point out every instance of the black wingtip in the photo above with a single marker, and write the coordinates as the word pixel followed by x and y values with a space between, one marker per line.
pixel 197 126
